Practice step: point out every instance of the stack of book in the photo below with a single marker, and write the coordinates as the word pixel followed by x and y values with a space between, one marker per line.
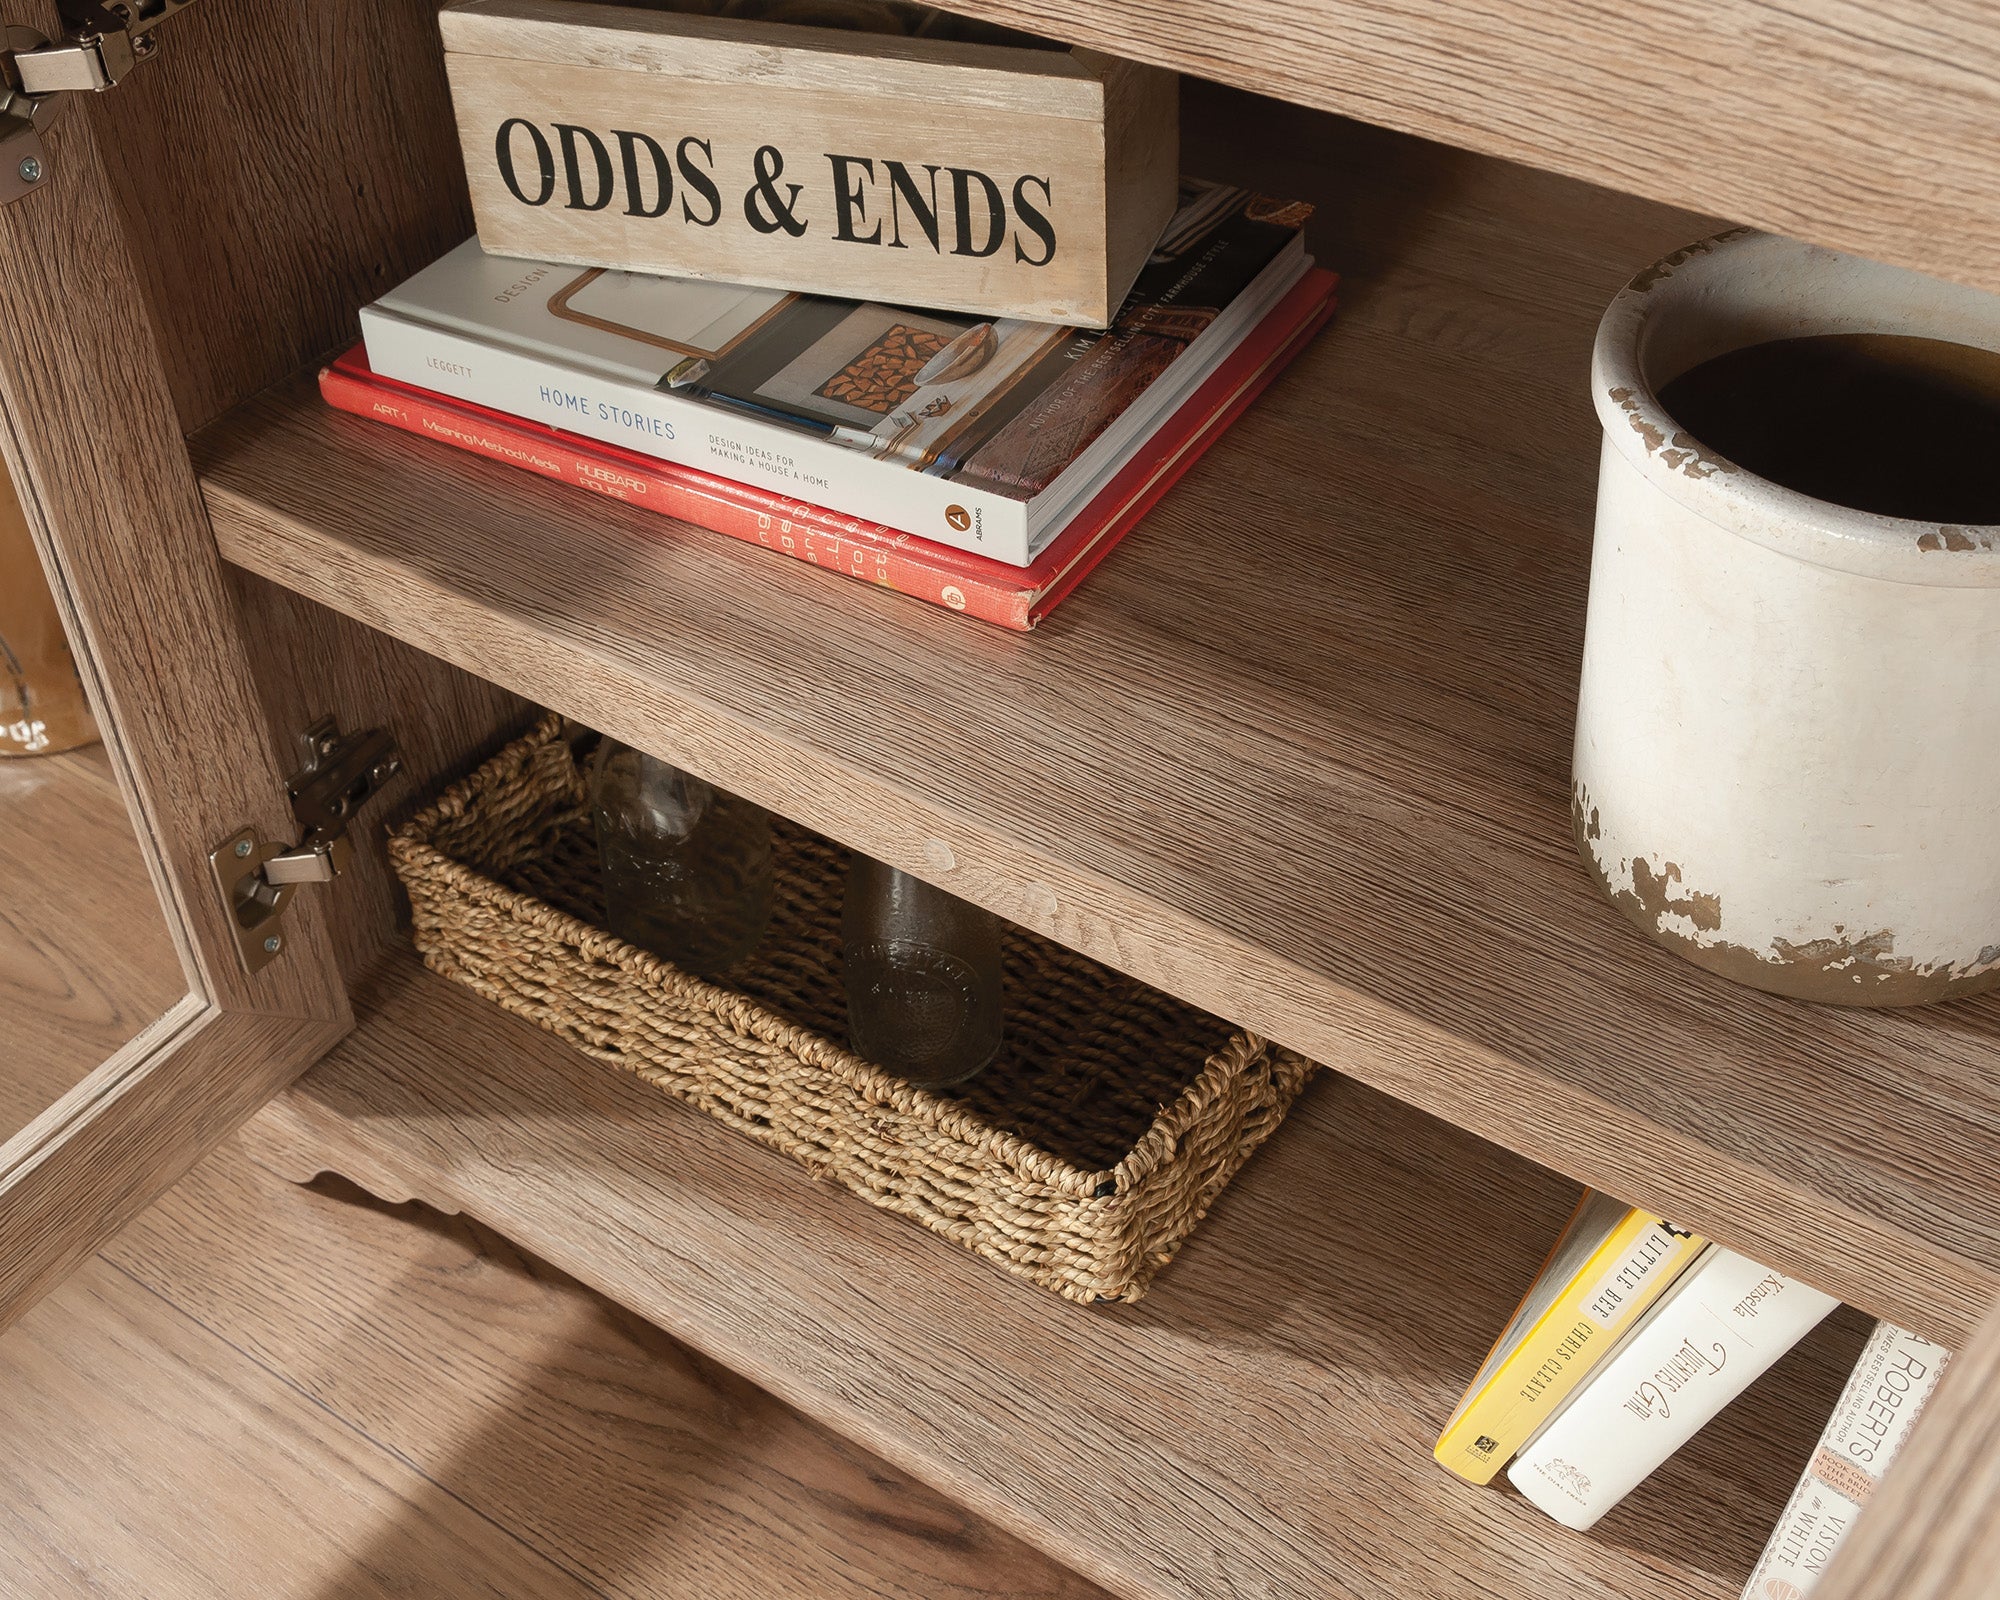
pixel 981 464
pixel 1633 1337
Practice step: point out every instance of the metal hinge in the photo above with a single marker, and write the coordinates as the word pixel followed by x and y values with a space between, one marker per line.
pixel 340 774
pixel 99 46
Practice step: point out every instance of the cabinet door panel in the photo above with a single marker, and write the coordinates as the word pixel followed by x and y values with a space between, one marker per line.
pixel 94 443
pixel 87 962
pixel 206 227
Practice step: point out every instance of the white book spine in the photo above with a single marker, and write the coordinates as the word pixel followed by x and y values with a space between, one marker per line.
pixel 1891 1383
pixel 1713 1335
pixel 690 433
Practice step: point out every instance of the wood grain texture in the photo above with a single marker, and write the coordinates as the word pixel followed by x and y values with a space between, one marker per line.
pixel 326 169
pixel 1058 122
pixel 106 1149
pixel 314 662
pixel 132 564
pixel 1142 166
pixel 420 1408
pixel 1868 125
pixel 349 163
pixel 756 56
pixel 1297 753
pixel 582 1435
pixel 1932 1530
pixel 85 959
pixel 1260 1425
pixel 147 1458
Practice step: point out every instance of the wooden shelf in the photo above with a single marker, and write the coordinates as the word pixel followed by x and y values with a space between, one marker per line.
pixel 1869 127
pixel 1260 1424
pixel 1298 753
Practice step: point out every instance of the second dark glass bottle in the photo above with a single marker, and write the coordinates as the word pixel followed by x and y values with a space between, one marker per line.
pixel 925 993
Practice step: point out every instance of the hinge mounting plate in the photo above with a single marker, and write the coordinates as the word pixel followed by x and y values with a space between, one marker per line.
pixel 24 118
pixel 257 878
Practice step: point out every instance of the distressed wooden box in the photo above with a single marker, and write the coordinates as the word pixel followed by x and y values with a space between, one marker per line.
pixel 1001 179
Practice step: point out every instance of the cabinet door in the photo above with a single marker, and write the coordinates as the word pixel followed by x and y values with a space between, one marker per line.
pixel 201 230
pixel 1932 1532
pixel 95 447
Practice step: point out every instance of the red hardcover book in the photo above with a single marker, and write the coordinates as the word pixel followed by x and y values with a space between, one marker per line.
pixel 1012 597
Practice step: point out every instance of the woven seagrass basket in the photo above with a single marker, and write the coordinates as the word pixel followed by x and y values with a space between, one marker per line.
pixel 1080 1160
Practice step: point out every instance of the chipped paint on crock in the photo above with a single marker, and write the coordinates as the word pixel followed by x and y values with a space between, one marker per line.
pixel 1864 955
pixel 1665 267
pixel 1840 968
pixel 1683 453
pixel 1627 401
pixel 1654 889
pixel 1954 540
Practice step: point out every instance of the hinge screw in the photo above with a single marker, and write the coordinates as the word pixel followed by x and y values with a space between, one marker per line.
pixel 144 45
pixel 31 169
pixel 242 847
pixel 273 945
pixel 384 770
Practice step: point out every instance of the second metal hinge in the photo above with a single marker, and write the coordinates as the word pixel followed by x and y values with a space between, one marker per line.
pixel 338 775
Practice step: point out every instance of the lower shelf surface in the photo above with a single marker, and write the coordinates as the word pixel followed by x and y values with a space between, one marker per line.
pixel 1259 1425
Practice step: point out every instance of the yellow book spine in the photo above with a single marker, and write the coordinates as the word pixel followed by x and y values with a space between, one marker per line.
pixel 1634 1266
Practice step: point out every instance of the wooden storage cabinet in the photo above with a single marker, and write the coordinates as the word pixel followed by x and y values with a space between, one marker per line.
pixel 1298 754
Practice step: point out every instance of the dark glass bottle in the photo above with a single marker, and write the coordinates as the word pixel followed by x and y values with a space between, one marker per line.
pixel 925 995
pixel 688 868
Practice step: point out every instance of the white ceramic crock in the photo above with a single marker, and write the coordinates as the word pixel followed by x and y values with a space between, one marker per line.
pixel 1788 738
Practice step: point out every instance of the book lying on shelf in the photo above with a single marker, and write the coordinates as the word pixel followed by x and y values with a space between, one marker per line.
pixel 1012 597
pixel 1706 1340
pixel 989 436
pixel 1878 1408
pixel 1609 1265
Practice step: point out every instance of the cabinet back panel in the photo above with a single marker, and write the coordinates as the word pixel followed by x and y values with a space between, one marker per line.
pixel 276 166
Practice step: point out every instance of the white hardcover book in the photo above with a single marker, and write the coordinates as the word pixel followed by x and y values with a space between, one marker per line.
pixel 985 436
pixel 1891 1383
pixel 673 428
pixel 1709 1338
